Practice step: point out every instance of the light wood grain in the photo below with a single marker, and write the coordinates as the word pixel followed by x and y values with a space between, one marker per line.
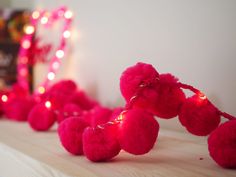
pixel 24 152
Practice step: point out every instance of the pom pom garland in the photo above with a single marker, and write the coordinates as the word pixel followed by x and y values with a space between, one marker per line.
pixel 199 116
pixel 222 146
pixel 138 131
pixel 70 133
pixel 41 117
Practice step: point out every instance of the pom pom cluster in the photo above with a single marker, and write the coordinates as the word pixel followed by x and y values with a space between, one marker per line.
pixel 100 133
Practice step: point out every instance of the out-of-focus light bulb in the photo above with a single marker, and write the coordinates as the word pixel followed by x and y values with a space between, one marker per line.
pixel 4 98
pixel 55 65
pixel 26 44
pixel 48 104
pixel 44 20
pixel 60 53
pixel 66 34
pixel 51 76
pixel 35 15
pixel 29 29
pixel 41 90
pixel 68 14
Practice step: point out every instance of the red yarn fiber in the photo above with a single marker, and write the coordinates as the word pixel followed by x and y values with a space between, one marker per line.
pixel 134 76
pixel 41 118
pixel 18 108
pixel 222 144
pixel 138 131
pixel 99 115
pixel 101 144
pixel 70 133
pixel 69 109
pixel 199 116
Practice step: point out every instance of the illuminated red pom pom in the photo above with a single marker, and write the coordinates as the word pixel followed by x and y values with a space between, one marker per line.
pixel 170 98
pixel 134 76
pixel 101 144
pixel 99 115
pixel 59 94
pixel 138 131
pixel 69 110
pixel 70 132
pixel 222 144
pixel 199 116
pixel 18 108
pixel 41 118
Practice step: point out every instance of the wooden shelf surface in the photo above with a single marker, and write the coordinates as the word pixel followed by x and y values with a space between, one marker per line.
pixel 24 152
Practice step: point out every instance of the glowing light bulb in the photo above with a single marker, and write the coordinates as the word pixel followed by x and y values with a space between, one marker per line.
pixel 48 104
pixel 68 14
pixel 29 29
pixel 66 34
pixel 4 98
pixel 51 76
pixel 44 20
pixel 41 90
pixel 60 53
pixel 35 15
pixel 26 44
pixel 202 96
pixel 55 65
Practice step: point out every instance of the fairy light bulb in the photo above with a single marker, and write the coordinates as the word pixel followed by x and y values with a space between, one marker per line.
pixel 41 90
pixel 26 44
pixel 24 60
pixel 55 65
pixel 48 104
pixel 44 20
pixel 29 29
pixel 35 15
pixel 60 53
pixel 51 76
pixel 68 14
pixel 66 34
pixel 4 98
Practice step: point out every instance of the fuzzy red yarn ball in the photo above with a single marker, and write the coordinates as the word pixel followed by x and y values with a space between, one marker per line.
pixel 138 131
pixel 82 100
pixel 99 115
pixel 70 133
pixel 170 98
pixel 18 108
pixel 222 144
pixel 69 109
pixel 134 76
pixel 41 118
pixel 199 116
pixel 101 144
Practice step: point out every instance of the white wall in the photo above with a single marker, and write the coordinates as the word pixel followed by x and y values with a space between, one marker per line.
pixel 193 39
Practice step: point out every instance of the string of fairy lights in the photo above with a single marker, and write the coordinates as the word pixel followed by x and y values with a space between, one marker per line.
pixel 44 18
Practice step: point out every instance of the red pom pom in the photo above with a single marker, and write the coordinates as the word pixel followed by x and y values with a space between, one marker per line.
pixel 170 98
pixel 18 108
pixel 99 115
pixel 134 76
pixel 222 144
pixel 101 144
pixel 161 98
pixel 138 131
pixel 115 113
pixel 82 100
pixel 69 110
pixel 70 132
pixel 41 118
pixel 199 116
pixel 59 93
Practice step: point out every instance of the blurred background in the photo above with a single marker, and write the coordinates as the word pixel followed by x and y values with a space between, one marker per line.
pixel 193 39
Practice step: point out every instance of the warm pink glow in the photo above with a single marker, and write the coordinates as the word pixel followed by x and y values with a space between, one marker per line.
pixel 55 65
pixel 26 44
pixel 35 15
pixel 41 90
